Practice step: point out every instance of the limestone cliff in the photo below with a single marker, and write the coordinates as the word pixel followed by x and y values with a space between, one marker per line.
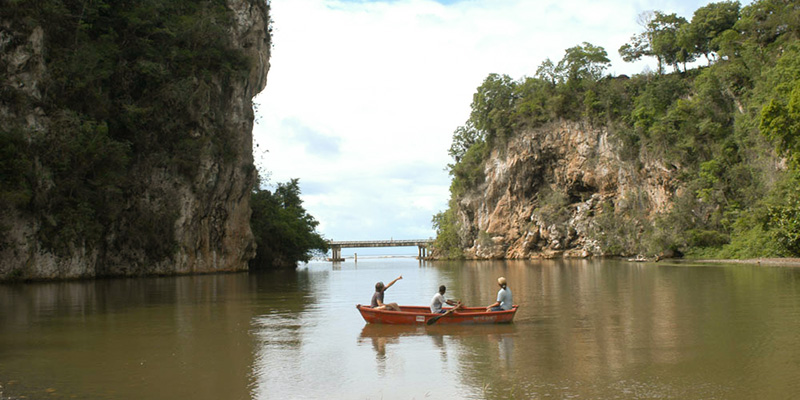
pixel 570 161
pixel 546 188
pixel 204 213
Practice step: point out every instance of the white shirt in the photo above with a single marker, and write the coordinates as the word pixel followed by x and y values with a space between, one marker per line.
pixel 437 302
pixel 504 297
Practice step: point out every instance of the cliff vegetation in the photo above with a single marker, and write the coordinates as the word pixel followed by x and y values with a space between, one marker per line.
pixel 125 135
pixel 702 161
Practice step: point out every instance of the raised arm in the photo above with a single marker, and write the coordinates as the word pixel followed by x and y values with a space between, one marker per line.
pixel 392 282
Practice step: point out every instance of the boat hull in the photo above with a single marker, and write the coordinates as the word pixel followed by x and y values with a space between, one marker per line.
pixel 419 315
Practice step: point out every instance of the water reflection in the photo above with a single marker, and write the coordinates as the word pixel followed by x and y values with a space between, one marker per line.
pixel 492 343
pixel 184 337
pixel 584 330
pixel 505 345
pixel 278 338
pixel 379 336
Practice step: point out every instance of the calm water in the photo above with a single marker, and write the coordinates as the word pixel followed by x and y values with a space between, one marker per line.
pixel 585 329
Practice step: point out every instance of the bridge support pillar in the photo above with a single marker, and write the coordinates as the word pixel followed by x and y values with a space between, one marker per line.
pixel 336 254
pixel 423 252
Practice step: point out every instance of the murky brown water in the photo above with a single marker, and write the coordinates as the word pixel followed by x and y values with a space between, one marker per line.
pixel 585 329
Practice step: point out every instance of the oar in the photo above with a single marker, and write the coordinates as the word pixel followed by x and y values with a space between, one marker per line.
pixel 448 312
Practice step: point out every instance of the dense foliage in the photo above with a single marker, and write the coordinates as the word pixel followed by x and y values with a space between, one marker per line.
pixel 285 233
pixel 124 85
pixel 725 127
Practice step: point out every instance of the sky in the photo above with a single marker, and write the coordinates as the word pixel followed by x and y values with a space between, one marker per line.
pixel 362 97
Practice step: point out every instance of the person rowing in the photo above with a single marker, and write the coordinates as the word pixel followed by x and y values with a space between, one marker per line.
pixel 439 300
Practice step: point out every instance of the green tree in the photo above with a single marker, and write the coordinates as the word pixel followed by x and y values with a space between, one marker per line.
pixel 708 23
pixel 686 44
pixel 639 45
pixel 785 223
pixel 285 233
pixel 464 138
pixel 637 48
pixel 664 32
pixel 547 72
pixel 780 122
pixel 661 39
pixel 583 62
pixel 534 105
pixel 769 21
pixel 447 243
pixel 468 172
pixel 780 117
pixel 493 106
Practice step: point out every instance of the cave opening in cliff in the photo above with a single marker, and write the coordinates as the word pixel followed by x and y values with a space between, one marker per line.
pixel 580 192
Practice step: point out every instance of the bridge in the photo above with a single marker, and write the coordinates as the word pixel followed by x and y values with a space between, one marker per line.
pixel 337 246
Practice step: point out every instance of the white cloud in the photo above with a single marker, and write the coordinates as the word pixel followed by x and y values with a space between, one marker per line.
pixel 363 97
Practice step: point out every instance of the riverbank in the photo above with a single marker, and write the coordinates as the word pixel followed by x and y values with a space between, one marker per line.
pixel 771 262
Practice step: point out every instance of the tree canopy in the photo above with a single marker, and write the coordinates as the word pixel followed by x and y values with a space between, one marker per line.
pixel 708 23
pixel 583 62
pixel 285 233
pixel 664 38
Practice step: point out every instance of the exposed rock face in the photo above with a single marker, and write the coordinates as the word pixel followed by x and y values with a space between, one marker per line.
pixel 212 228
pixel 545 189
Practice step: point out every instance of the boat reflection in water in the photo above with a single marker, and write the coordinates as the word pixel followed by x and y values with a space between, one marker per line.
pixel 459 343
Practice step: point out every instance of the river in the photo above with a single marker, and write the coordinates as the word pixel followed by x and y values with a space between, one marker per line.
pixel 585 329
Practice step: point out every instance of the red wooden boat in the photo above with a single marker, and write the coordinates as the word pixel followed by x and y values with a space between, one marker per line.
pixel 419 315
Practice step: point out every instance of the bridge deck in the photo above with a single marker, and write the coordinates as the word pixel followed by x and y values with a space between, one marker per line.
pixel 336 246
pixel 380 243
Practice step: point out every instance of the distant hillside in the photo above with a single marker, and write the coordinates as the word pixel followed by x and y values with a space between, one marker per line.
pixel 571 162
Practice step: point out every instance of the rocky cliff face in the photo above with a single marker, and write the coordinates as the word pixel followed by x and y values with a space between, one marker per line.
pixel 210 210
pixel 546 189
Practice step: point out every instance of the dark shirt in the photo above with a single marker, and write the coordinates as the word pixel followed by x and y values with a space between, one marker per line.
pixel 376 297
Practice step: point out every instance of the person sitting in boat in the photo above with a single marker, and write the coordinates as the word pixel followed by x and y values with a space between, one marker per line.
pixel 503 297
pixel 438 301
pixel 377 298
